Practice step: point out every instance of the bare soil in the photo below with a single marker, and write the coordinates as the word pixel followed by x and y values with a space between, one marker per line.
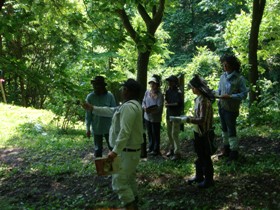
pixel 235 190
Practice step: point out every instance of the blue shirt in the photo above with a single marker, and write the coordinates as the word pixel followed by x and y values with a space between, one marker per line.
pixel 234 85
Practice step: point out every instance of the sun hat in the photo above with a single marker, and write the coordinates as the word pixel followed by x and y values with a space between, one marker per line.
pixel 99 80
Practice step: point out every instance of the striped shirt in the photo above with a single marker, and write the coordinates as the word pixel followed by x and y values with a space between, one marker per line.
pixel 203 115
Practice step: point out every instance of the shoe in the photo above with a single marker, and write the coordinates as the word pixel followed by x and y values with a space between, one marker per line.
pixel 205 184
pixel 149 151
pixel 153 153
pixel 170 153
pixel 176 157
pixel 131 206
pixel 194 180
pixel 233 156
pixel 225 152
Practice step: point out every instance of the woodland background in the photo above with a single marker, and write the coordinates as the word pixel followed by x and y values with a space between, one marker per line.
pixel 51 49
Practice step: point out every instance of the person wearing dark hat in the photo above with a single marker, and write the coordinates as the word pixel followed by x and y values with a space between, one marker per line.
pixel 174 105
pixel 153 107
pixel 126 137
pixel 203 123
pixel 98 125
pixel 232 90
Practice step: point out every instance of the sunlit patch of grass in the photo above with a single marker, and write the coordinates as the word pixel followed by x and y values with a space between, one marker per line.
pixel 33 149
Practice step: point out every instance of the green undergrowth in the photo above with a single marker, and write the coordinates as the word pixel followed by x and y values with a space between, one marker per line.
pixel 43 167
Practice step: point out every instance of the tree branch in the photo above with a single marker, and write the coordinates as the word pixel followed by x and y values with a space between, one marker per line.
pixel 142 11
pixel 152 23
pixel 127 25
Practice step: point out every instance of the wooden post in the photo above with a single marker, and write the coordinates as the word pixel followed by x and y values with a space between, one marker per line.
pixel 2 90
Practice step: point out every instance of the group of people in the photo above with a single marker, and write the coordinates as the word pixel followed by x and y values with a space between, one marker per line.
pixel 122 126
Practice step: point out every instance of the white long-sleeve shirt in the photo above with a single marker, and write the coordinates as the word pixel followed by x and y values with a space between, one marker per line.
pixel 126 130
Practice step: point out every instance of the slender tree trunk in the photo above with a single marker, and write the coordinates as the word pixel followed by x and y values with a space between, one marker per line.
pixel 142 68
pixel 258 9
pixel 1 4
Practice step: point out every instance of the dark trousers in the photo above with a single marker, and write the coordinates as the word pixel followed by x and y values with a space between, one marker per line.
pixel 98 144
pixel 203 164
pixel 153 130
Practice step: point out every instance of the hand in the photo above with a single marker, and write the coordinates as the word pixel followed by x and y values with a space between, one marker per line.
pixel 112 155
pixel 87 106
pixel 88 134
pixel 225 96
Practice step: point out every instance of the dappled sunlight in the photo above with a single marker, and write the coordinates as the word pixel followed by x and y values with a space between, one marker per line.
pixel 58 169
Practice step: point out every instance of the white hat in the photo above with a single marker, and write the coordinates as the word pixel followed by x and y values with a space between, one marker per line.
pixel 153 79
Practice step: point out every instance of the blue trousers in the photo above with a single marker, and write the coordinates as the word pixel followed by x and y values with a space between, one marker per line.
pixel 228 121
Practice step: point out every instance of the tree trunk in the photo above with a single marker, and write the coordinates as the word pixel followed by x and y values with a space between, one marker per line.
pixel 1 4
pixel 152 23
pixel 258 9
pixel 142 69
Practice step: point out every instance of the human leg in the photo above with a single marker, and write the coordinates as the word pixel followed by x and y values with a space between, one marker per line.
pixel 208 171
pixel 170 138
pixel 197 143
pixel 226 147
pixel 198 177
pixel 175 135
pixel 107 141
pixel 124 182
pixel 233 140
pixel 156 136
pixel 150 135
pixel 98 145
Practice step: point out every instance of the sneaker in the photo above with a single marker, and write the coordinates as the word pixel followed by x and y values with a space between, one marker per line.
pixel 205 184
pixel 176 157
pixel 170 153
pixel 195 180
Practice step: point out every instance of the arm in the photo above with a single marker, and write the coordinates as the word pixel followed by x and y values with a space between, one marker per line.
pixel 101 111
pixel 240 94
pixel 88 119
pixel 243 91
pixel 113 101
pixel 201 118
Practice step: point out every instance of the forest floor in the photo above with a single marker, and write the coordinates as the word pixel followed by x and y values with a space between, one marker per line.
pixel 259 191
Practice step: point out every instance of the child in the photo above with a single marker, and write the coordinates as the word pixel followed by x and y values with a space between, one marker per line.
pixel 203 122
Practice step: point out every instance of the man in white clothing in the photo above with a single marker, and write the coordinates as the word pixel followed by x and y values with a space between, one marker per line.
pixel 126 137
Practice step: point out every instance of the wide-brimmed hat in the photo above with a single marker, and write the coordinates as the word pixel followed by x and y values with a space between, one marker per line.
pixel 132 85
pixel 197 82
pixel 173 78
pixel 98 80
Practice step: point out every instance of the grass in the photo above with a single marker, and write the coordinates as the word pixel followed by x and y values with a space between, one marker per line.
pixel 44 168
